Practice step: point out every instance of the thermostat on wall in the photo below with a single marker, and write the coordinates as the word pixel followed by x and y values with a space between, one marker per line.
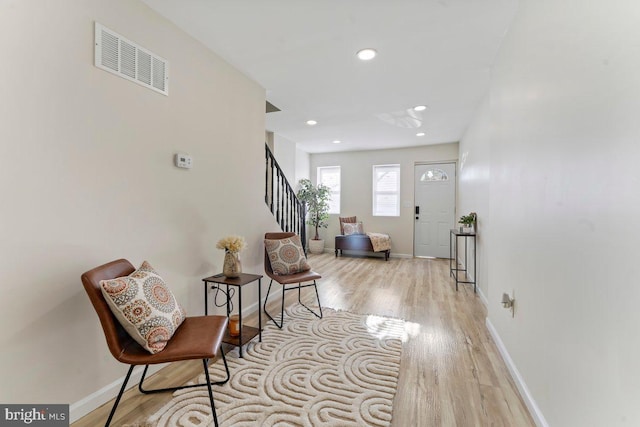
pixel 183 160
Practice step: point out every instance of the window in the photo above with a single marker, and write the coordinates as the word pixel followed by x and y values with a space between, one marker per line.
pixel 386 190
pixel 330 176
pixel 433 175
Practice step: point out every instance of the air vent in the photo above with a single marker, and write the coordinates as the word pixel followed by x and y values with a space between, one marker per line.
pixel 126 59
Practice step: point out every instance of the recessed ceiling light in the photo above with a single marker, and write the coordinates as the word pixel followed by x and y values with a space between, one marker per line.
pixel 367 54
pixel 420 107
pixel 337 141
pixel 312 122
pixel 420 134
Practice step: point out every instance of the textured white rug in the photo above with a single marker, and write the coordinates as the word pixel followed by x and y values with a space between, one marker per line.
pixel 341 370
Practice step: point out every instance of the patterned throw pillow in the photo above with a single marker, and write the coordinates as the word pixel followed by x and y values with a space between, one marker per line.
pixel 286 256
pixel 144 306
pixel 355 228
pixel 346 219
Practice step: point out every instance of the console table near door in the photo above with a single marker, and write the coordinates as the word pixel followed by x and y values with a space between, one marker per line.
pixel 454 271
pixel 247 333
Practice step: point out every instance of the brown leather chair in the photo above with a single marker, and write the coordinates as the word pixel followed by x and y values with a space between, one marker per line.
pixel 198 337
pixel 291 279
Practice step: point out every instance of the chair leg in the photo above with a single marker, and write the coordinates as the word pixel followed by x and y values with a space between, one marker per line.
pixel 115 404
pixel 317 297
pixel 205 362
pixel 300 286
pixel 264 308
pixel 284 288
pixel 160 390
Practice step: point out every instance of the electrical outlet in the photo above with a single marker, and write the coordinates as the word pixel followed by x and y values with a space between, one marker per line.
pixel 509 301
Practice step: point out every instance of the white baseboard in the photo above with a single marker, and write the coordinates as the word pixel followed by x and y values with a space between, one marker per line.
pixel 87 404
pixel 483 297
pixel 246 311
pixel 397 255
pixel 534 410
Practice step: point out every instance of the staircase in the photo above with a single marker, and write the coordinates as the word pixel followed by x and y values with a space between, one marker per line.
pixel 279 196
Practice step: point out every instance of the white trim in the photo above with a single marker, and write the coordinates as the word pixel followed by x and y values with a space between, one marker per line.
pixel 397 255
pixel 253 307
pixel 436 162
pixel 534 410
pixel 469 277
pixel 247 311
pixel 483 297
pixel 96 399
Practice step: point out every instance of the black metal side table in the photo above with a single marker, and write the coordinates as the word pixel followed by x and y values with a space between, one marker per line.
pixel 454 271
pixel 247 333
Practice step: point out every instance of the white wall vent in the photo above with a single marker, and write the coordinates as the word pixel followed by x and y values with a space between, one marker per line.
pixel 126 59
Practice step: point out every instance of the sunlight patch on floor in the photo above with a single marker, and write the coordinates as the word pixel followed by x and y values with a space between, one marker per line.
pixel 385 327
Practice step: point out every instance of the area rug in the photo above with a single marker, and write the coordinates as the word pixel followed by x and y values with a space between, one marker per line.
pixel 341 370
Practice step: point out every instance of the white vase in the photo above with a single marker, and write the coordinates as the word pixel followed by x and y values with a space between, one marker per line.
pixel 316 246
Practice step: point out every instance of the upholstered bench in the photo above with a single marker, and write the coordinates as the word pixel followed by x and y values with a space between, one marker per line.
pixel 357 242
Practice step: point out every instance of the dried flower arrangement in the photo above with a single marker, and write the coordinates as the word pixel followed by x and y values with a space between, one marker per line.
pixel 231 243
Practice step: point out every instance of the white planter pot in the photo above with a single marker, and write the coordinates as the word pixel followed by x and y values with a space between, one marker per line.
pixel 316 246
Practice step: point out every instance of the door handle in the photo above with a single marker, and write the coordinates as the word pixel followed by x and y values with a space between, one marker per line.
pixel 417 210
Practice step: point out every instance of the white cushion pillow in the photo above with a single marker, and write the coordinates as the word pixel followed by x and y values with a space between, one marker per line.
pixel 286 255
pixel 144 306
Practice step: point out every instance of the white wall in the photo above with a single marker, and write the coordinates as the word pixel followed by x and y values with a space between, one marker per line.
pixel 284 151
pixel 87 177
pixel 356 189
pixel 562 129
pixel 473 185
pixel 303 160
pixel 293 161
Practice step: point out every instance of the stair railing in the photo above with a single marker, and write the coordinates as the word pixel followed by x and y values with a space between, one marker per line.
pixel 279 196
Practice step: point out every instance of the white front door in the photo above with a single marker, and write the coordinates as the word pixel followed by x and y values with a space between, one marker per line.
pixel 434 210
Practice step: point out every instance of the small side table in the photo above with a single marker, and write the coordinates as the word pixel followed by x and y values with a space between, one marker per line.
pixel 247 333
pixel 454 271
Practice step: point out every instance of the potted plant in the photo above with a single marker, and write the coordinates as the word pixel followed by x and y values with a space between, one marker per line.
pixel 469 221
pixel 316 198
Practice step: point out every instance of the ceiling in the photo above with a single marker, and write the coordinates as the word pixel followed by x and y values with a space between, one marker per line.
pixel 436 53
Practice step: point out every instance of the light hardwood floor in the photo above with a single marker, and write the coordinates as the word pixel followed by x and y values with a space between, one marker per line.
pixel 451 373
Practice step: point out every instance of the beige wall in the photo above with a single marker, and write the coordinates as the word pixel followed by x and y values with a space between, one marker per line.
pixel 555 150
pixel 87 177
pixel 356 187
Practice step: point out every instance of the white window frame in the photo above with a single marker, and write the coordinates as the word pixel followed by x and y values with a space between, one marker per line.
pixel 377 192
pixel 334 203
